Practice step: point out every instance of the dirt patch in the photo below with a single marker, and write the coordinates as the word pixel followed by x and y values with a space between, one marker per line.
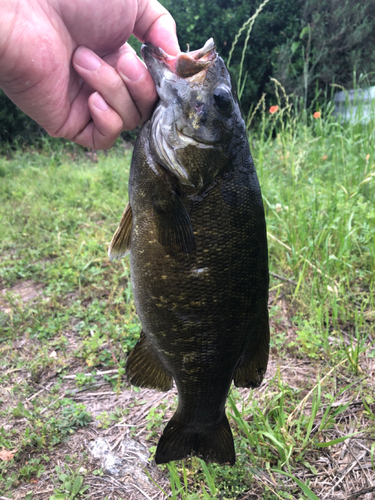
pixel 24 291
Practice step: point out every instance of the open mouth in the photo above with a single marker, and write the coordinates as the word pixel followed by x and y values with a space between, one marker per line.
pixel 187 65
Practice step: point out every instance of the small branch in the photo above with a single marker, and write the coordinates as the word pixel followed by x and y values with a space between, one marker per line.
pixel 282 278
pixel 360 492
pixel 111 349
pixel 143 493
pixel 73 377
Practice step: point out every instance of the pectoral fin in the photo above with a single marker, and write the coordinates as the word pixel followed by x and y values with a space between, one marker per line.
pixel 120 244
pixel 144 368
pixel 175 231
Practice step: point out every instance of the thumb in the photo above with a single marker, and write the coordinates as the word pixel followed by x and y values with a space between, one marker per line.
pixel 156 25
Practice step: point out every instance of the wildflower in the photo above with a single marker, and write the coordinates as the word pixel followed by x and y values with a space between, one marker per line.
pixel 278 207
pixel 317 115
pixel 273 109
pixel 324 157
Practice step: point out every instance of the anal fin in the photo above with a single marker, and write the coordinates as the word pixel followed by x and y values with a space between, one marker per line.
pixel 120 244
pixel 144 369
pixel 253 364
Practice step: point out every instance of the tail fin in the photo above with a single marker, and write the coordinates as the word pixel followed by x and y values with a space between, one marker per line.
pixel 180 440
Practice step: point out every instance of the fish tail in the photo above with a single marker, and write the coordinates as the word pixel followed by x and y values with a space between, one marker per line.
pixel 180 440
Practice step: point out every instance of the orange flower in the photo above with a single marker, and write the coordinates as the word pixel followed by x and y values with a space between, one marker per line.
pixel 324 157
pixel 273 109
pixel 317 115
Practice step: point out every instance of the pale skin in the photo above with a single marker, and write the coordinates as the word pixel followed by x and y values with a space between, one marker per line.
pixel 66 64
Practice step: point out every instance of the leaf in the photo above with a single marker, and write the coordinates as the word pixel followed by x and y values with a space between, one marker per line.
pixel 305 30
pixel 372 455
pixel 76 486
pixel 68 486
pixel 294 46
pixel 335 441
pixel 209 478
pixel 309 494
pixel 310 467
pixel 7 456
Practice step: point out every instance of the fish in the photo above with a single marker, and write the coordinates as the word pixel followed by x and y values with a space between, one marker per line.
pixel 196 233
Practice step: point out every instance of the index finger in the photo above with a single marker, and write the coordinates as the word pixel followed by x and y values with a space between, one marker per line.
pixel 155 24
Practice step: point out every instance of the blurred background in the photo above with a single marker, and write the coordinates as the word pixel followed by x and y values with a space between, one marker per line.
pixel 307 45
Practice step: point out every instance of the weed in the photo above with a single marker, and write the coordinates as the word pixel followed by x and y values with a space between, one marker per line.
pixel 71 485
pixel 155 419
pixel 83 379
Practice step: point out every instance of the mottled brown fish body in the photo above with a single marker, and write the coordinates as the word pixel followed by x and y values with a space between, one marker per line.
pixel 199 270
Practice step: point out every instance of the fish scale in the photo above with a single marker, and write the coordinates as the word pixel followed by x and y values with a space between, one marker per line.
pixel 196 232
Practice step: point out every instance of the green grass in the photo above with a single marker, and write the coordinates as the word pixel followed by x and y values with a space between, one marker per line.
pixel 58 211
pixel 318 181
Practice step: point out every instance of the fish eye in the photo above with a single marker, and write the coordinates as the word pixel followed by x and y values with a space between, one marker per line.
pixel 223 99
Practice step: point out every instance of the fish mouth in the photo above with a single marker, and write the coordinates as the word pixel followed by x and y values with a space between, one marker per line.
pixel 168 133
pixel 187 139
pixel 191 66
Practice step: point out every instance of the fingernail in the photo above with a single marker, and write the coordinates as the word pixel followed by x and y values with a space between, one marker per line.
pixel 99 102
pixel 131 67
pixel 86 59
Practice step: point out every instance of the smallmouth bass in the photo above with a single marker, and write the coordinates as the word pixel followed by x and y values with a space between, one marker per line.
pixel 196 232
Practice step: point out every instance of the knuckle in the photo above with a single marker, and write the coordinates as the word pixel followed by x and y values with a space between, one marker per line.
pixel 101 142
pixel 131 124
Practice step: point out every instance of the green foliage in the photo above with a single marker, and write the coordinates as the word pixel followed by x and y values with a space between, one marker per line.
pixel 155 419
pixel 72 417
pixel 42 431
pixel 83 379
pixel 71 485
pixel 320 208
pixel 334 38
pixel 15 126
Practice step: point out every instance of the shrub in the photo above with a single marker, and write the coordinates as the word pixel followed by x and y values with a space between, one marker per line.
pixel 15 125
pixel 335 37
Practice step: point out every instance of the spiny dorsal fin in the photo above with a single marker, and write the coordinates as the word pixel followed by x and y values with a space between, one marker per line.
pixel 120 244
pixel 144 368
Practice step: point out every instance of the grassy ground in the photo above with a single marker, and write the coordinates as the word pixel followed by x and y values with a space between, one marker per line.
pixel 67 321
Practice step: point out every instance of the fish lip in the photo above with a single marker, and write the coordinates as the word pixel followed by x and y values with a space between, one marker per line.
pixel 149 50
pixel 185 65
pixel 202 142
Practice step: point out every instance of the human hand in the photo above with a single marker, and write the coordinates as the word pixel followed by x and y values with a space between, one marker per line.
pixel 91 96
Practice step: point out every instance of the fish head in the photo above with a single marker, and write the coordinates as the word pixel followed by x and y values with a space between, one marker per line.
pixel 198 118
